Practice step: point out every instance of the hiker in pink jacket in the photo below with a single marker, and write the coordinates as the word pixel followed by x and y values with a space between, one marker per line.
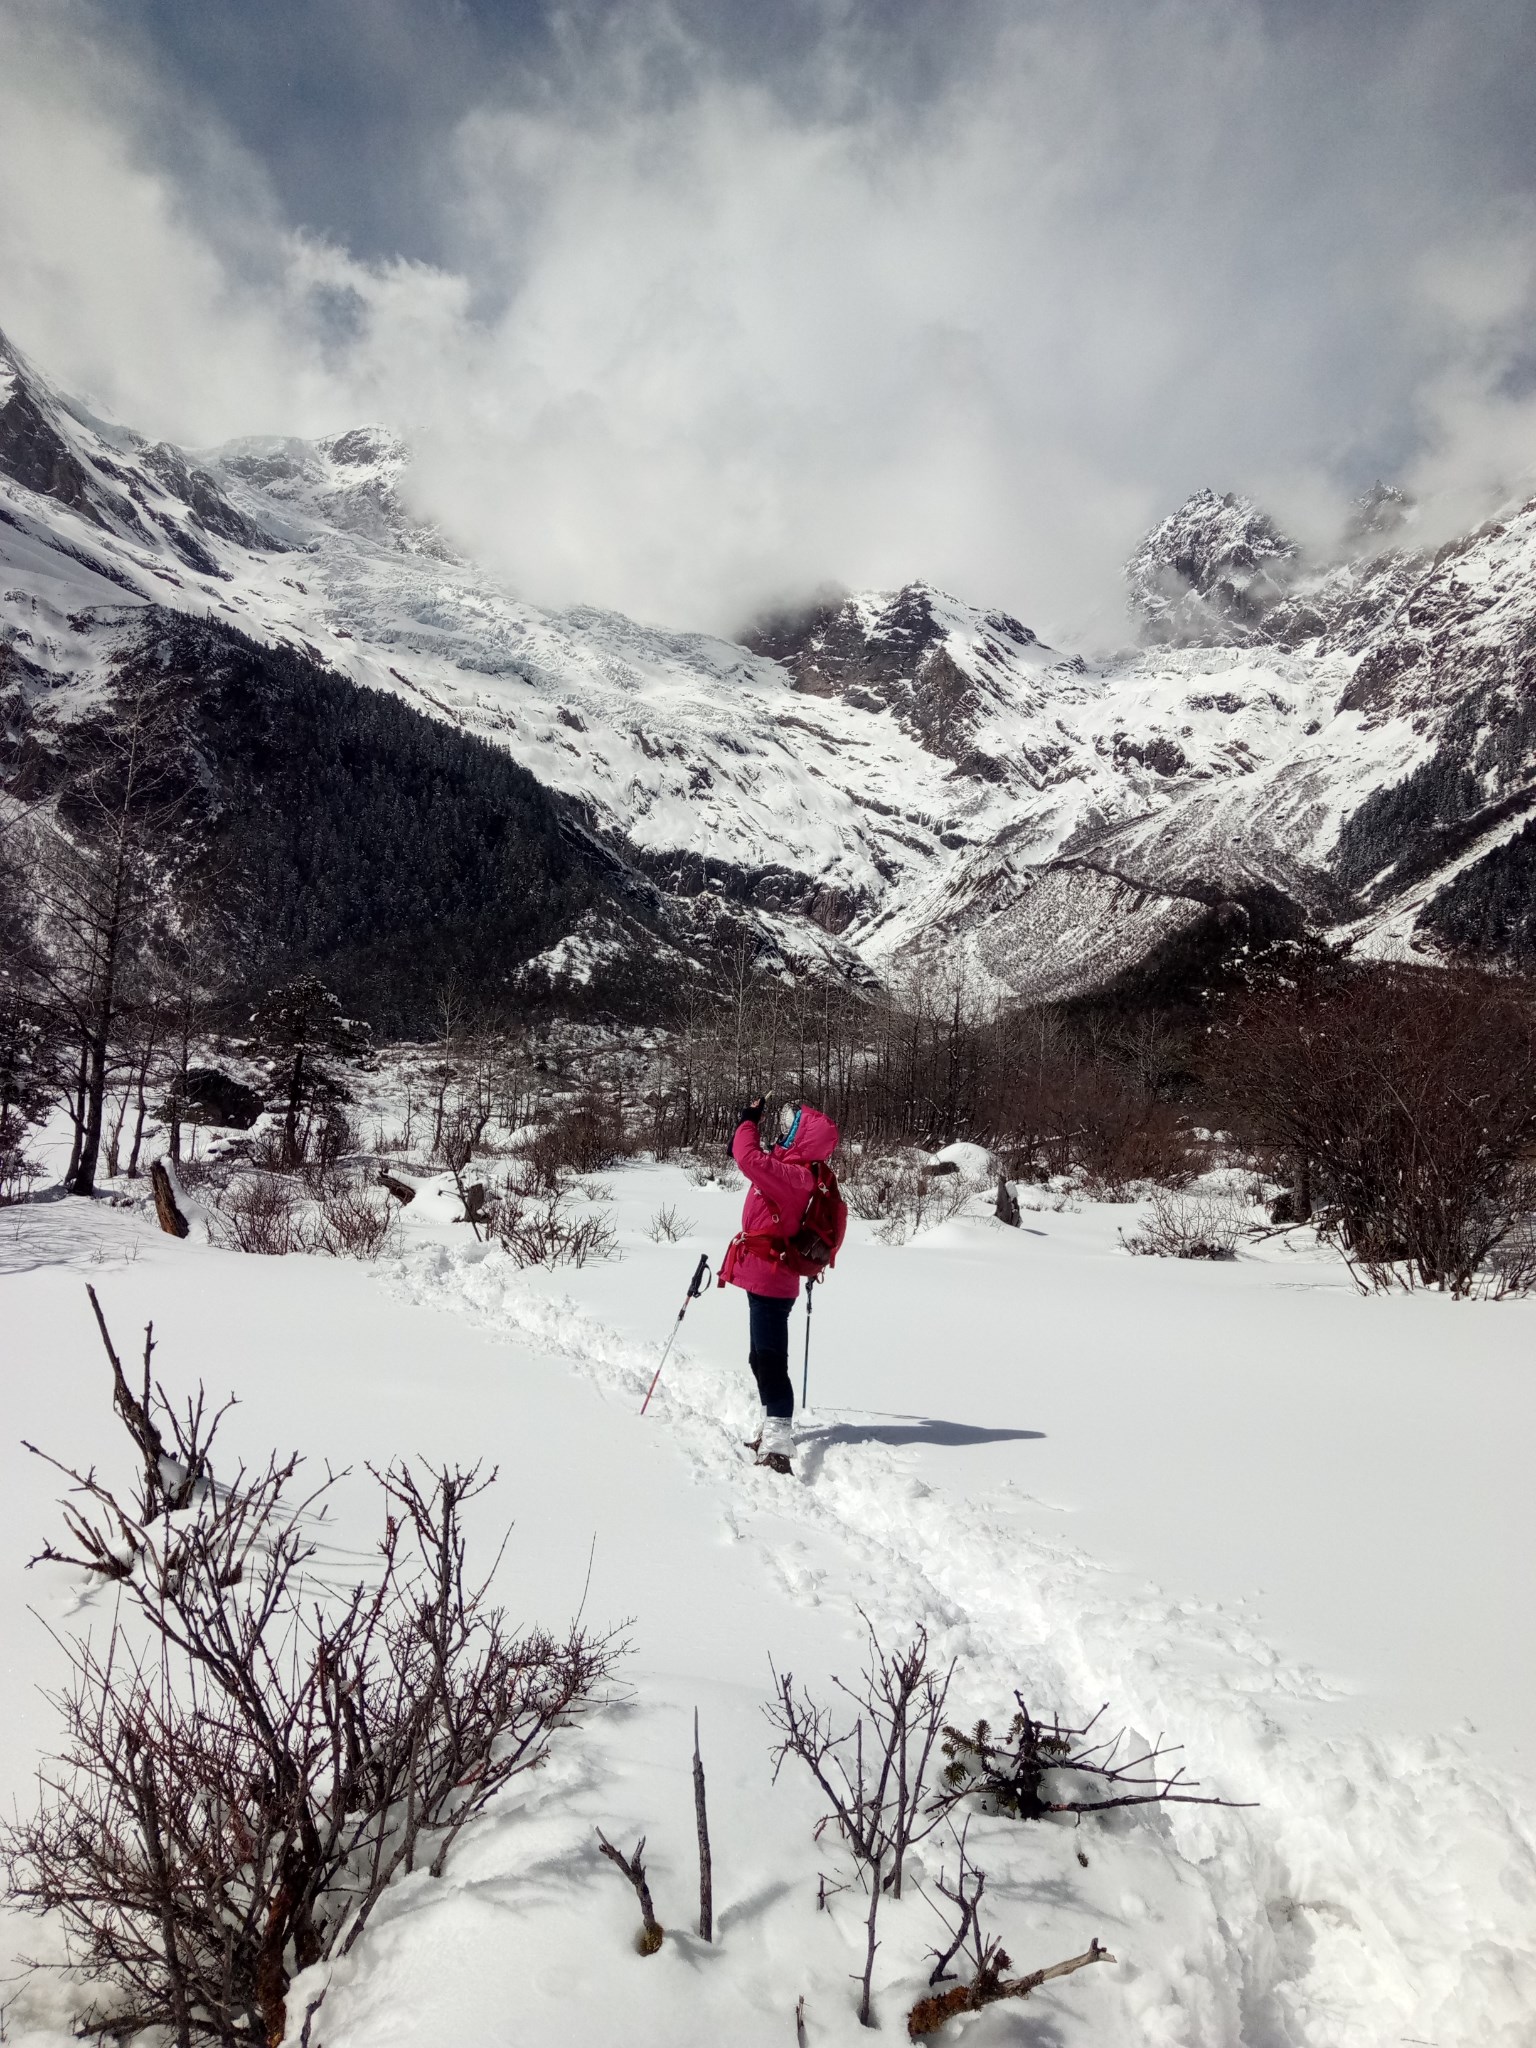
pixel 782 1182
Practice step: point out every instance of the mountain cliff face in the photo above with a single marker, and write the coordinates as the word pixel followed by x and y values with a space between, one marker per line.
pixel 880 779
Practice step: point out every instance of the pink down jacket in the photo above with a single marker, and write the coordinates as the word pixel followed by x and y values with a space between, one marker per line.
pixel 781 1187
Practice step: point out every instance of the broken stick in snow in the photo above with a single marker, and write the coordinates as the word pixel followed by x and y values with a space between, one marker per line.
pixel 929 2014
pixel 706 1863
pixel 651 1929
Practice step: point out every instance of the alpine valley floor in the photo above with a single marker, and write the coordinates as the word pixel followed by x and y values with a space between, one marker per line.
pixel 1289 1527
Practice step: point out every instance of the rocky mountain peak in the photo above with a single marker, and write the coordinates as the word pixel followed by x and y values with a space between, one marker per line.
pixel 1209 574
pixel 140 491
pixel 1378 519
pixel 349 482
pixel 934 663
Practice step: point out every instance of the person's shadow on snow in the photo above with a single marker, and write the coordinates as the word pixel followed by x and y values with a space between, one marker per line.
pixel 901 1430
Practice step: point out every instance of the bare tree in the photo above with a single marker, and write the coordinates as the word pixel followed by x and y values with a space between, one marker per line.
pixel 873 1774
pixel 254 1755
pixel 94 876
pixel 1404 1100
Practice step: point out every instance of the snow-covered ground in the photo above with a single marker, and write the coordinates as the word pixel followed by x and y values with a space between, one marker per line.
pixel 1288 1527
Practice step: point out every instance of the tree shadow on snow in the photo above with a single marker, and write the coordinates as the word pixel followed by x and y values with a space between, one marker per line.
pixel 743 1911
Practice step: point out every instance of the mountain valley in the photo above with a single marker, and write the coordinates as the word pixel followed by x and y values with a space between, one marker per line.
pixel 876 783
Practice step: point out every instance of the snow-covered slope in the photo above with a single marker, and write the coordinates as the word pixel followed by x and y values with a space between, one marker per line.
pixel 1202 1493
pixel 883 774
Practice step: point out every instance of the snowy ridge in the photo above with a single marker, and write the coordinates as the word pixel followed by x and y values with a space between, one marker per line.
pixel 874 778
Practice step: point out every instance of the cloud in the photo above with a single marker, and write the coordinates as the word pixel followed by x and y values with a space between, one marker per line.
pixel 697 336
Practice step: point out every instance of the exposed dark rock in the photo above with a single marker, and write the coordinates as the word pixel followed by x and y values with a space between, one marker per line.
pixel 203 498
pixel 191 551
pixel 35 455
pixel 892 660
pixel 362 446
pixel 207 1095
pixel 1380 515
pixel 1162 756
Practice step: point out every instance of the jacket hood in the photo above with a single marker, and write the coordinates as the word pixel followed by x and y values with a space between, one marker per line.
pixel 816 1137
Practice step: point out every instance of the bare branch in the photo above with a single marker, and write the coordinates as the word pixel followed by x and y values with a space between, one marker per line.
pixel 1010 1771
pixel 873 1774
pixel 929 2014
pixel 706 1860
pixel 633 1867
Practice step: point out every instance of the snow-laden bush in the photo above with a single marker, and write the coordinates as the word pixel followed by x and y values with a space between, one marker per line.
pixel 901 1194
pixel 1199 1223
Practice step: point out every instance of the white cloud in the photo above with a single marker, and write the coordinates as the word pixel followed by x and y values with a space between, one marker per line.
pixel 698 350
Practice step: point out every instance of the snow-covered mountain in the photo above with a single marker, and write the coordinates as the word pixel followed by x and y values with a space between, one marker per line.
pixel 881 776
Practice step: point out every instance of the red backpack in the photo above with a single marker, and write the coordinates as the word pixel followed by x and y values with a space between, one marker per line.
pixel 813 1249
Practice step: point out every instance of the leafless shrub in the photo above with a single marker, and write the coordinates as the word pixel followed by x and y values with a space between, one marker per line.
pixel 701 1829
pixel 268 1150
pixel 899 1197
pixel 1123 1136
pixel 1203 1225
pixel 987 1958
pixel 1405 1099
pixel 230 1801
pixel 668 1227
pixel 873 1774
pixel 260 1213
pixel 353 1221
pixel 1510 1267
pixel 17 1170
pixel 542 1230
pixel 1009 1772
pixel 324 1210
pixel 585 1138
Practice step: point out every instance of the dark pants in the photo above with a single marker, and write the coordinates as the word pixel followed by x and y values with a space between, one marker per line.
pixel 768 1320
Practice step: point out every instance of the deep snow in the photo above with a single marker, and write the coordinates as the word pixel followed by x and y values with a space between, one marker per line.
pixel 1286 1525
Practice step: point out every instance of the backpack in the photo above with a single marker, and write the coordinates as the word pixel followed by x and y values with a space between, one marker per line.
pixel 813 1249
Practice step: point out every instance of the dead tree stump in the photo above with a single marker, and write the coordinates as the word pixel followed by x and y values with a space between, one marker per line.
pixel 172 1222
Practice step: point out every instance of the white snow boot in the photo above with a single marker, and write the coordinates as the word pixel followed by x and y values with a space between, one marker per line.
pixel 777 1445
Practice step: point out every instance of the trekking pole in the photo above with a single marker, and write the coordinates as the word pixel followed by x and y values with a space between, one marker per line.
pixel 695 1286
pixel 805 1374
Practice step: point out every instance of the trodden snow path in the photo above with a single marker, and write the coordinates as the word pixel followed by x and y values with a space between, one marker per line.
pixel 1008 1432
